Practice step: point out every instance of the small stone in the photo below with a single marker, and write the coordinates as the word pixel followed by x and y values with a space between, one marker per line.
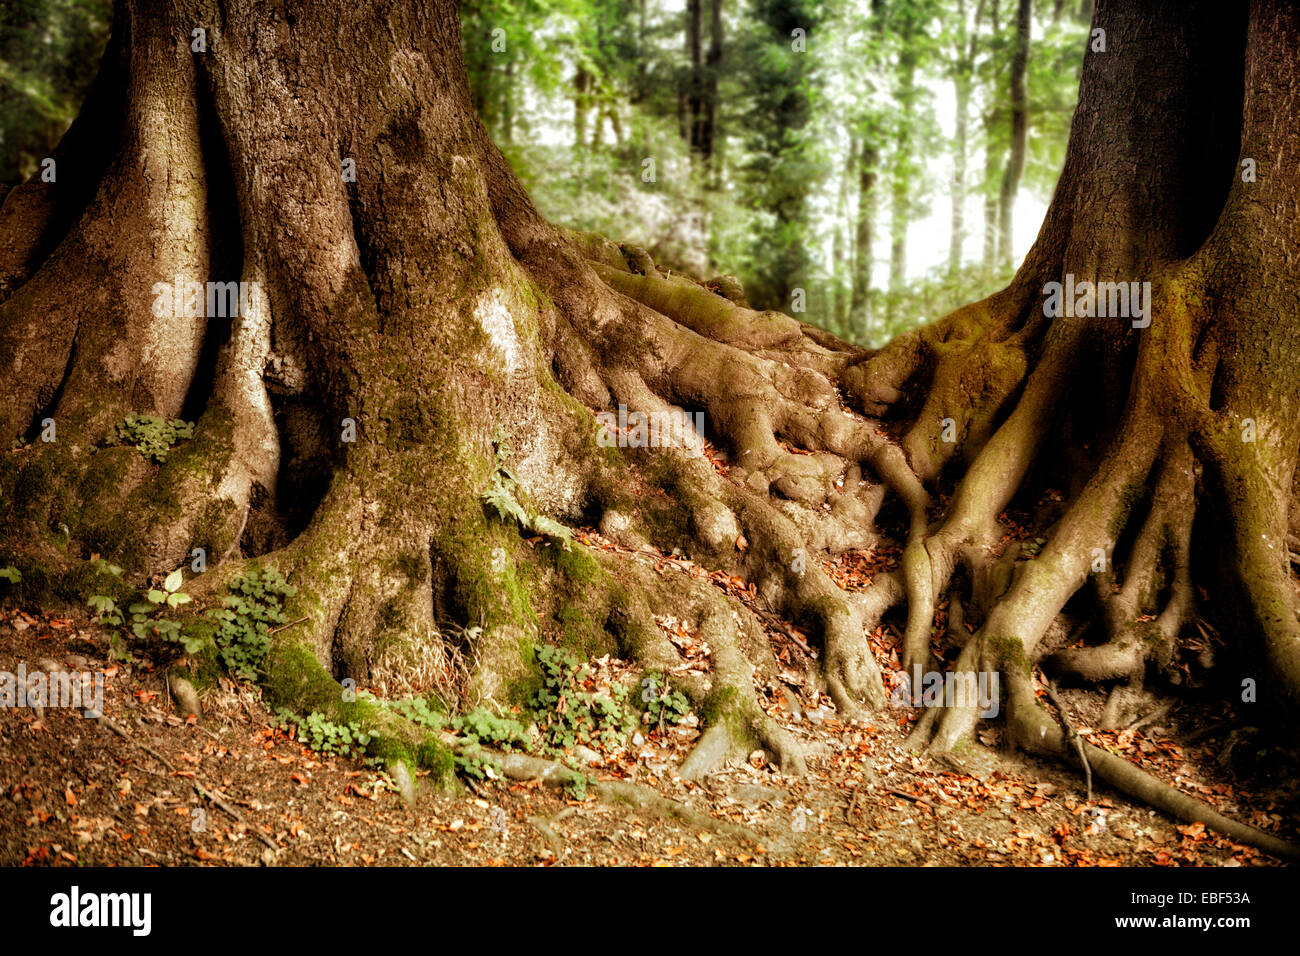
pixel 186 697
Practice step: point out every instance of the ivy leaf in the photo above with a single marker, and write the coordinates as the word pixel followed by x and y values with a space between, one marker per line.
pixel 174 581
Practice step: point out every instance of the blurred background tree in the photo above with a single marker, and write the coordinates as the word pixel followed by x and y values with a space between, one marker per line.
pixel 49 51
pixel 873 162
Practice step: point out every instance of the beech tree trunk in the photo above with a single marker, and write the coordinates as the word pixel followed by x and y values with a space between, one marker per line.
pixel 424 339
pixel 1019 132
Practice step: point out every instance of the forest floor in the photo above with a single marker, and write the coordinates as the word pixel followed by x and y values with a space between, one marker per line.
pixel 235 789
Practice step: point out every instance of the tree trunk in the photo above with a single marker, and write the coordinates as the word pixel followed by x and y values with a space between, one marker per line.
pixel 863 256
pixel 695 73
pixel 581 105
pixel 1019 132
pixel 508 104
pixel 712 66
pixel 1151 418
pixel 901 187
pixel 400 421
pixel 841 248
pixel 992 159
pixel 963 77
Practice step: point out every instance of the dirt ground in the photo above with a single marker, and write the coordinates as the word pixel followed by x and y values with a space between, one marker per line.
pixel 236 790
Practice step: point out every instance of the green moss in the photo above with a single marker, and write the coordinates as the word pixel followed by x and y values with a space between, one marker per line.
pixel 1128 498
pixel 296 680
pixel 578 566
pixel 432 756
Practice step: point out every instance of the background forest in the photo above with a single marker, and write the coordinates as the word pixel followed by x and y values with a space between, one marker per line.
pixel 870 164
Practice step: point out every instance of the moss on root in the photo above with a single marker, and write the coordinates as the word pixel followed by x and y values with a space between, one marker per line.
pixel 297 682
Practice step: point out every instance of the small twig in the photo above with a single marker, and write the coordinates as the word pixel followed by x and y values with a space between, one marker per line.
pixel 220 801
pixel 1073 734
pixel 1154 715
pixel 908 796
pixel 1206 732
pixel 121 732
pixel 275 630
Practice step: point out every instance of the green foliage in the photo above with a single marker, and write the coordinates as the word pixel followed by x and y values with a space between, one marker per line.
pixel 49 52
pixel 569 715
pixel 415 709
pixel 318 733
pixel 485 727
pixel 147 617
pixel 662 705
pixel 502 494
pixel 577 787
pixel 241 631
pixel 1032 548
pixel 10 574
pixel 154 436
pixel 243 627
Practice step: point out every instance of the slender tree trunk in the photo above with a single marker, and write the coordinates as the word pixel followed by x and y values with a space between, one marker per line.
pixel 695 106
pixel 900 212
pixel 992 154
pixel 1019 132
pixel 581 105
pixel 508 104
pixel 712 67
pixel 863 249
pixel 962 85
pixel 841 265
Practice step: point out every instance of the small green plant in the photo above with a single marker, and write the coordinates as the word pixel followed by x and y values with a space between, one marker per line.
pixel 414 709
pixel 10 574
pixel 319 733
pixel 153 436
pixel 662 705
pixel 147 616
pixel 487 728
pixel 243 627
pixel 502 493
pixel 105 567
pixel 569 715
pixel 475 763
pixel 577 785
pixel 1032 548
